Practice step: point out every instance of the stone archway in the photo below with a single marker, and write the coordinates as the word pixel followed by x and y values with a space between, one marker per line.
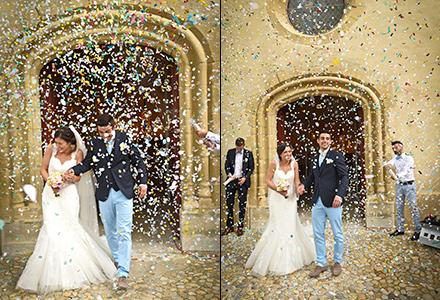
pixel 155 28
pixel 379 212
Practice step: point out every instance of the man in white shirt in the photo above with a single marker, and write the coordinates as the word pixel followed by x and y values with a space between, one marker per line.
pixel 405 188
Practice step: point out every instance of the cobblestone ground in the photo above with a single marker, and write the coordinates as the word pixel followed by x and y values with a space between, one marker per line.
pixel 375 266
pixel 158 271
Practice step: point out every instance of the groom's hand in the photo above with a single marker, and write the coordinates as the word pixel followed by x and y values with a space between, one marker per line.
pixel 142 191
pixel 300 190
pixel 337 201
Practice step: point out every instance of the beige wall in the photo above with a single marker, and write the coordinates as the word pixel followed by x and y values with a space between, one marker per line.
pixel 34 33
pixel 397 56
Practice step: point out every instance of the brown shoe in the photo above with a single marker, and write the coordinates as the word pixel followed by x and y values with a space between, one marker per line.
pixel 318 270
pixel 122 283
pixel 116 265
pixel 337 269
pixel 227 231
pixel 239 231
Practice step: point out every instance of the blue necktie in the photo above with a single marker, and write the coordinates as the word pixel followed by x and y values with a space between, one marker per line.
pixel 321 158
pixel 110 146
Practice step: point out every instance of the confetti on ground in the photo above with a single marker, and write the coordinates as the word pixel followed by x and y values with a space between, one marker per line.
pixel 375 266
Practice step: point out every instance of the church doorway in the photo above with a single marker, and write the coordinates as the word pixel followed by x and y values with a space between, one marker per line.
pixel 299 122
pixel 138 85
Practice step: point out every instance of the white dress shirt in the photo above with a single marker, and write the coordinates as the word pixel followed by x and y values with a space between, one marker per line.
pixel 404 167
pixel 238 172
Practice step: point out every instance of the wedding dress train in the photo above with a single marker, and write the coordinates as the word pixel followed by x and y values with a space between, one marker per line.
pixel 284 246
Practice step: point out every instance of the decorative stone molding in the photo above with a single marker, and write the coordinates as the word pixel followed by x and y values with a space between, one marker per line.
pixel 332 85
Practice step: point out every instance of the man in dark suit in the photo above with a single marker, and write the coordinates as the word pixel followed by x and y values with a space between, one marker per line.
pixel 110 155
pixel 330 178
pixel 239 166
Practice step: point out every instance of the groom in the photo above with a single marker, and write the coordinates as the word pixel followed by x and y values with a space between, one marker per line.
pixel 330 178
pixel 110 155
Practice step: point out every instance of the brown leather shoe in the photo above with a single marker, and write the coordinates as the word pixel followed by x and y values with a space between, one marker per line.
pixel 239 231
pixel 227 231
pixel 116 265
pixel 122 283
pixel 318 270
pixel 337 269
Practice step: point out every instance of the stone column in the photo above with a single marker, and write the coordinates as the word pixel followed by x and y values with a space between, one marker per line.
pixel 379 210
pixel 22 216
pixel 199 216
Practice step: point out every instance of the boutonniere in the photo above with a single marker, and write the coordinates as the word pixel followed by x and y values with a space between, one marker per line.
pixel 329 160
pixel 124 148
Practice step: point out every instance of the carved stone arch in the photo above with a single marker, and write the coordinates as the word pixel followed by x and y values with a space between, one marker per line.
pixel 329 85
pixel 196 63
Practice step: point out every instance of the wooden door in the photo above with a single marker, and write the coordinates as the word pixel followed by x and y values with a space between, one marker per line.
pixel 139 87
pixel 299 122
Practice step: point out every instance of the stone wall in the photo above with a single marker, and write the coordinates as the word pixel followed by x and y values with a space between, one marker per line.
pixel 389 47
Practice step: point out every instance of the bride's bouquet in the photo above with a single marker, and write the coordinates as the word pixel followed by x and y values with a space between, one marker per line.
pixel 56 180
pixel 283 185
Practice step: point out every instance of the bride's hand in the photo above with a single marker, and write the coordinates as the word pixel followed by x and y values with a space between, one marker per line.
pixel 283 193
pixel 56 190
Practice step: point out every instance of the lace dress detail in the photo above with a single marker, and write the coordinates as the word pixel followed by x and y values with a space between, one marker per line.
pixel 65 256
pixel 284 246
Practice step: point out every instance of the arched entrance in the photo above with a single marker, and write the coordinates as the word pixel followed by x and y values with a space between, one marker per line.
pixel 298 124
pixel 139 87
pixel 333 88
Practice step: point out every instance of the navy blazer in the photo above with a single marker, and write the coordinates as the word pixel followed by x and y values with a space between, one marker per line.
pixel 248 164
pixel 114 168
pixel 329 179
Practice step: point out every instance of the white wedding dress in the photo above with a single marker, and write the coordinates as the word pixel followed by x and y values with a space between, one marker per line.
pixel 66 256
pixel 284 246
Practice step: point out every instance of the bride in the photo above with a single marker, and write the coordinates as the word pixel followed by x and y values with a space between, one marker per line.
pixel 69 252
pixel 284 246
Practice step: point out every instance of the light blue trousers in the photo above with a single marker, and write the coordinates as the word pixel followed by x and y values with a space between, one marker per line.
pixel 117 217
pixel 320 214
pixel 408 192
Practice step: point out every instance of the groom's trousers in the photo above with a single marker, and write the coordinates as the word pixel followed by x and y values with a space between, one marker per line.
pixel 117 217
pixel 320 214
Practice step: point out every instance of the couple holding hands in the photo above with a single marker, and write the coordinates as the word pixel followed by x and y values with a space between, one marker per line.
pixel 284 246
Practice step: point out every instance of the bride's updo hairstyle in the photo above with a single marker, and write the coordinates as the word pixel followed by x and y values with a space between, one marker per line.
pixel 281 147
pixel 66 134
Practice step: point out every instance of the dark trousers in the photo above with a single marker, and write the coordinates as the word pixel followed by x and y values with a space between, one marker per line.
pixel 242 190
